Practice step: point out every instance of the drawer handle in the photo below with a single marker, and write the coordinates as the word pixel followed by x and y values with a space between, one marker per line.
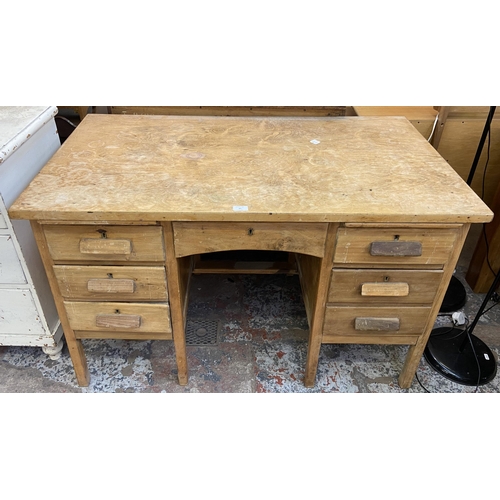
pixel 396 248
pixel 105 246
pixel 118 320
pixel 376 324
pixel 385 289
pixel 111 286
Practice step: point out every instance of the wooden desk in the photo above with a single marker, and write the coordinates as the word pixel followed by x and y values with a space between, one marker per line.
pixel 375 217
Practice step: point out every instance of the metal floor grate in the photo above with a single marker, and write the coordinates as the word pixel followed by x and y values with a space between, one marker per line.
pixel 202 332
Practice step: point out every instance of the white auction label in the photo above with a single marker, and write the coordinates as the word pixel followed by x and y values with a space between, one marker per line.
pixel 240 208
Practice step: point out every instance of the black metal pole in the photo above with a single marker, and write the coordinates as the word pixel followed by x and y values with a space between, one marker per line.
pixel 481 144
pixel 496 281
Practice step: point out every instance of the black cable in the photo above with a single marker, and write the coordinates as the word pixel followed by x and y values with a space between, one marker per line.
pixel 421 385
pixel 482 197
pixel 461 331
pixel 487 161
pixel 481 144
pixel 475 357
pixel 486 132
pixel 488 251
pixel 434 334
pixel 489 308
pixel 66 120
pixel 467 330
pixel 429 392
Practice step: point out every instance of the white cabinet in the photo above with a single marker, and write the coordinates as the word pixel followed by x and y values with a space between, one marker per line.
pixel 28 316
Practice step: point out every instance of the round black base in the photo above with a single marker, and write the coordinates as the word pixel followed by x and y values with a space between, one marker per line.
pixel 455 296
pixel 445 354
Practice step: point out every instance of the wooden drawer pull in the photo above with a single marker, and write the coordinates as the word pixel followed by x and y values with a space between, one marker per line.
pixel 396 248
pixel 385 289
pixel 376 324
pixel 105 246
pixel 111 286
pixel 118 320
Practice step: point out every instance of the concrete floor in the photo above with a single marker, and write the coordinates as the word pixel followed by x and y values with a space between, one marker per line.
pixel 262 345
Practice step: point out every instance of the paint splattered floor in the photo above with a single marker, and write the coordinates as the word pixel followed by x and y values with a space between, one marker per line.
pixel 262 344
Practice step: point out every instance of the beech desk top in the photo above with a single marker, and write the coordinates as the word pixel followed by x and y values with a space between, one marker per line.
pixel 153 168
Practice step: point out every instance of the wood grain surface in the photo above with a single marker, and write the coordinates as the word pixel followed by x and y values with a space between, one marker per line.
pixel 114 167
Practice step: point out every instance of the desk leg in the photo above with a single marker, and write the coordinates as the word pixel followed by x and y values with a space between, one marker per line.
pixel 313 349
pixel 411 362
pixel 416 351
pixel 78 358
pixel 316 275
pixel 74 345
pixel 178 274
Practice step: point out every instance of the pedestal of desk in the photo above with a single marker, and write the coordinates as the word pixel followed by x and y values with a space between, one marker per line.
pixel 361 283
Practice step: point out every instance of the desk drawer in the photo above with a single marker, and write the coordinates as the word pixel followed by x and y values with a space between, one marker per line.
pixel 202 237
pixel 119 317
pixel 374 324
pixel 393 246
pixel 368 286
pixel 127 283
pixel 105 243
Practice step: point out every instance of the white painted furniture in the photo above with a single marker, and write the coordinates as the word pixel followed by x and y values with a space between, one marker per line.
pixel 28 316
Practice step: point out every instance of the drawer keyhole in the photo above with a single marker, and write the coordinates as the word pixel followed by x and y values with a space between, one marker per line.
pixel 110 276
pixel 386 278
pixel 396 237
pixel 250 232
pixel 104 233
pixel 117 311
